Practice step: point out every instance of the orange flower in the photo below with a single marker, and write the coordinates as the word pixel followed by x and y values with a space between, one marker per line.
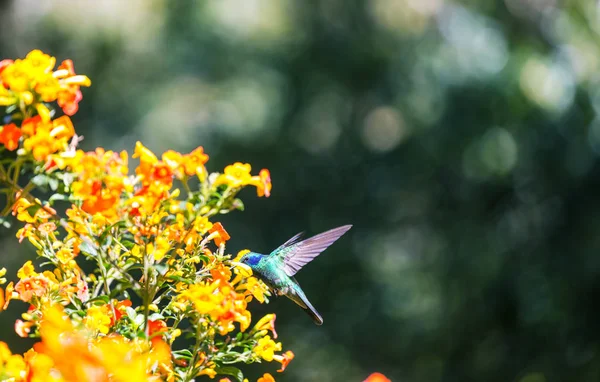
pixel 10 135
pixel 222 273
pixel 62 128
pixel 30 125
pixel 222 235
pixel 193 162
pixel 68 98
pixel 266 378
pixel 156 326
pixel 32 286
pixel 108 358
pixel 39 365
pixel 284 359
pixel 377 377
pixel 162 172
pixel 174 161
pixel 41 144
pixel 9 294
pixel 263 183
pixel 119 309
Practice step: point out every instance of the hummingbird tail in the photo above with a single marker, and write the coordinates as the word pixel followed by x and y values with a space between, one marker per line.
pixel 312 312
pixel 299 298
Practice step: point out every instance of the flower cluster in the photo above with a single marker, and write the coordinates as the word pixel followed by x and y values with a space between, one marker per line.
pixel 164 300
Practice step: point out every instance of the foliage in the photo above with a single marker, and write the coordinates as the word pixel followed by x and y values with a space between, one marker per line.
pixel 161 271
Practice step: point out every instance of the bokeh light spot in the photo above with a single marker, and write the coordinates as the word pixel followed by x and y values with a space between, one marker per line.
pixel 384 129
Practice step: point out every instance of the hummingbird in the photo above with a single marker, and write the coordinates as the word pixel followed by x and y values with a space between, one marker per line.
pixel 278 268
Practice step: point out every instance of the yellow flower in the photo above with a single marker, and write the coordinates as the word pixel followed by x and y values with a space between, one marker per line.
pixel 235 175
pixel 108 358
pixel 266 323
pixel 12 366
pixel 65 255
pixel 17 76
pixel 266 348
pixel 159 248
pixel 20 210
pixel 209 371
pixel 147 158
pixel 203 297
pixel 40 367
pixel 27 270
pixel 98 318
pixel 256 288
pixel 202 225
pixel 39 62
pixel 42 144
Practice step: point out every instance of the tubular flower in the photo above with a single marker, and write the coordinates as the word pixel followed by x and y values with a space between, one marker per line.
pixel 193 163
pixel 266 348
pixel 220 235
pixel 284 359
pixel 266 323
pixel 236 175
pixel 262 182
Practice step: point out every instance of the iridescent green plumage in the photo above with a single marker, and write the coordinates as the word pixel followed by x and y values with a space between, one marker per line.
pixel 278 268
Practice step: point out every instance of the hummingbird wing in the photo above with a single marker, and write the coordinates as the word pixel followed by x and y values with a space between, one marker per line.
pixel 294 255
pixel 291 241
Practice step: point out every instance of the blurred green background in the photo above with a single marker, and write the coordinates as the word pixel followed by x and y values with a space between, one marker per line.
pixel 461 139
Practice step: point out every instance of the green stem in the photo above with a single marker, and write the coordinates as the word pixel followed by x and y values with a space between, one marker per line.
pixel 189 374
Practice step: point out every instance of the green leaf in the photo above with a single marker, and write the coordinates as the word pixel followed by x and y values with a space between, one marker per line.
pixel 40 180
pixel 56 197
pixel 88 248
pixel 5 221
pixel 183 353
pixel 104 299
pixel 130 313
pixel 53 183
pixel 156 316
pixel 139 320
pixel 230 370
pixel 161 269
